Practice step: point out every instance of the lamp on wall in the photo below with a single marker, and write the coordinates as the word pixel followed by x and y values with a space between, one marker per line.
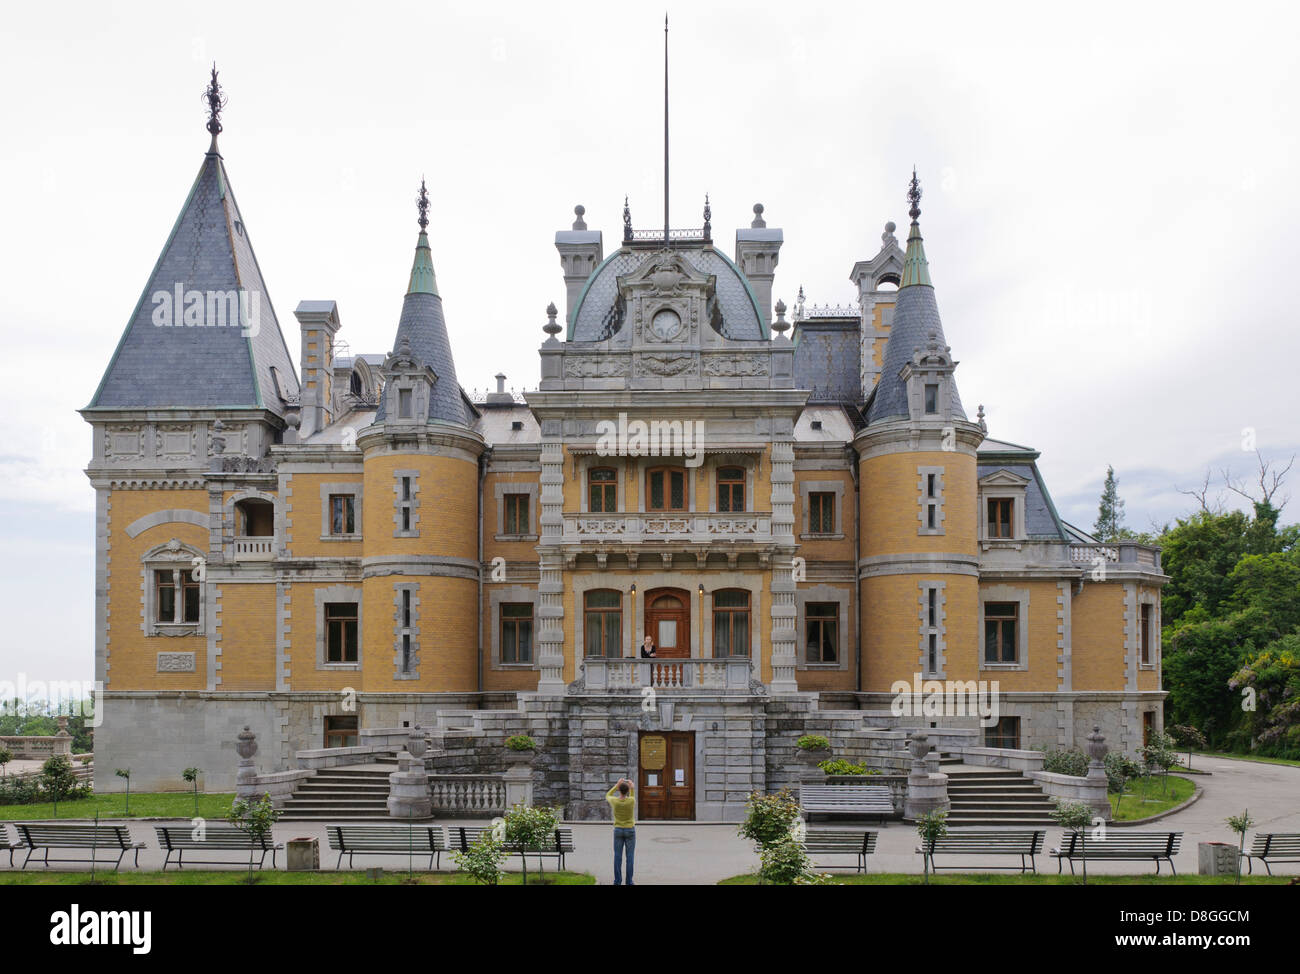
pixel 701 590
pixel 634 588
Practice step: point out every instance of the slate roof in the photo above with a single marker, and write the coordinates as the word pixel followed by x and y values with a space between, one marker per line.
pixel 827 359
pixel 916 315
pixel 422 323
pixel 202 365
pixel 740 316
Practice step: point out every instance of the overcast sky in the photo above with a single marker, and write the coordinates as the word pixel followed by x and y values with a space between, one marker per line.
pixel 1109 211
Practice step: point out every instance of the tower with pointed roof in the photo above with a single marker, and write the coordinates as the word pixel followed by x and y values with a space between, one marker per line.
pixel 421 508
pixel 916 463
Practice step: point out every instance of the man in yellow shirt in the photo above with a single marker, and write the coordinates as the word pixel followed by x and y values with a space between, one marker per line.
pixel 622 802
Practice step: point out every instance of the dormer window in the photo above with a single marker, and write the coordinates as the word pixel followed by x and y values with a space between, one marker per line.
pixel 403 403
pixel 1001 520
pixel 1001 508
pixel 931 398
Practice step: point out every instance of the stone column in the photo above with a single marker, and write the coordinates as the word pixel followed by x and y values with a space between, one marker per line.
pixel 1096 783
pixel 550 588
pixel 784 637
pixel 926 792
pixel 408 786
pixel 246 776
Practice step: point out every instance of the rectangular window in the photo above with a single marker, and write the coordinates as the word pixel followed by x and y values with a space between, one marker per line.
pixel 667 489
pixel 931 399
pixel 1000 510
pixel 516 632
pixel 342 514
pixel 406 652
pixel 1005 733
pixel 1000 621
pixel 173 604
pixel 1147 622
pixel 190 600
pixel 932 656
pixel 516 518
pixel 821 620
pixel 341 730
pixel 406 488
pixel 730 623
pixel 931 516
pixel 340 632
pixel 165 598
pixel 933 607
pixel 603 623
pixel 403 403
pixel 821 513
pixel 406 608
pixel 931 500
pixel 731 489
pixel 602 483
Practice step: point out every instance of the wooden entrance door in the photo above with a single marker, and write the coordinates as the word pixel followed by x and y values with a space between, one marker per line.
pixel 667 776
pixel 668 620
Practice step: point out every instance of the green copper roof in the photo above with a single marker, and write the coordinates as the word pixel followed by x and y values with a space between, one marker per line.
pixel 423 280
pixel 916 270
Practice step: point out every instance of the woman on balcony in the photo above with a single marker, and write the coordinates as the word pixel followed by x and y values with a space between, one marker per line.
pixel 648 648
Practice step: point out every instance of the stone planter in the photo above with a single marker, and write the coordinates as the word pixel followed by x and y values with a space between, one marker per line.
pixel 302 855
pixel 521 759
pixel 1216 859
pixel 810 757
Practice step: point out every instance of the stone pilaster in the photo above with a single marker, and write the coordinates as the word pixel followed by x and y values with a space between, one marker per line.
pixel 784 612
pixel 550 588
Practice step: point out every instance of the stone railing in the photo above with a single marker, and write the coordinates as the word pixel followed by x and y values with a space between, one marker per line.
pixel 721 675
pixel 681 527
pixel 254 549
pixel 1119 552
pixel 469 795
pixel 37 748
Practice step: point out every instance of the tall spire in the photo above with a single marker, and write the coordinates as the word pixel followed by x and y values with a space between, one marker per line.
pixel 216 99
pixel 423 280
pixel 665 129
pixel 916 270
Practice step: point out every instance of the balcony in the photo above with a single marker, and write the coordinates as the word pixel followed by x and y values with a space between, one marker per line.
pixel 254 549
pixel 673 528
pixel 730 675
pixel 1118 552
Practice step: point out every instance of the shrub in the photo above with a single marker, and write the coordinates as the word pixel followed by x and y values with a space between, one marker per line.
pixel 22 790
pixel 1120 770
pixel 1072 762
pixel 813 742
pixel 483 859
pixel 786 863
pixel 930 826
pixel 837 766
pixel 254 819
pixel 1074 817
pixel 528 826
pixel 521 742
pixel 769 818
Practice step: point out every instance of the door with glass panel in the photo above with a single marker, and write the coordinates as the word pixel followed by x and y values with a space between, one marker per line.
pixel 668 621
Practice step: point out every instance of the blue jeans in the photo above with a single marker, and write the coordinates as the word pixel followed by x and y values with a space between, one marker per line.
pixel 624 840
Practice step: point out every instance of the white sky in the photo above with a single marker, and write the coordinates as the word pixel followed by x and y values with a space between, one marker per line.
pixel 1109 212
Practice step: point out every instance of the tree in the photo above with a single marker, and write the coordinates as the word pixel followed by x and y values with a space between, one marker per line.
pixel 6 756
pixel 1273 676
pixel 1189 737
pixel 192 776
pixel 930 826
pixel 254 819
pixel 527 828
pixel 125 773
pixel 1159 752
pixel 1074 817
pixel 57 779
pixel 1240 824
pixel 1110 512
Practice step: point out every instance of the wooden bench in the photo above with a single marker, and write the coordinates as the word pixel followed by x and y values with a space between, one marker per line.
pixel 215 838
pixel 987 842
pixel 555 847
pixel 110 838
pixel 1120 846
pixel 1273 847
pixel 841 842
pixel 864 801
pixel 387 840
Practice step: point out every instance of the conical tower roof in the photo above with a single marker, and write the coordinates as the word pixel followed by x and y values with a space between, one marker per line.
pixel 425 330
pixel 204 333
pixel 916 324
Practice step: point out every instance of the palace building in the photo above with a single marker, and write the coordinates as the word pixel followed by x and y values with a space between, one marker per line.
pixel 794 503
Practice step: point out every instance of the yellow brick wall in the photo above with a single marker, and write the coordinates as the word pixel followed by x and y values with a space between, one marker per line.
pixel 890 613
pixel 1042 649
pixel 819 679
pixel 247 636
pixel 133 656
pixel 847 515
pixel 303 674
pixel 492 516
pixel 890 504
pixel 511 679
pixel 1097 646
pixel 448 509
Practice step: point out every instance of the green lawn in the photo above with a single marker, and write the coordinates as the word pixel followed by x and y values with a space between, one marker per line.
pixel 1029 879
pixel 272 877
pixel 170 804
pixel 1150 796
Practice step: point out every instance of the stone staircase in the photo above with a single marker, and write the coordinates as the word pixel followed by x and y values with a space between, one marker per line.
pixel 342 794
pixel 981 799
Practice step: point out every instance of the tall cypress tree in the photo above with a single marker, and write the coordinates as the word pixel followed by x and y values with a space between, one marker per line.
pixel 1110 513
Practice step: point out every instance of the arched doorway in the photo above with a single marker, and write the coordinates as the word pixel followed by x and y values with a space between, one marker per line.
pixel 668 620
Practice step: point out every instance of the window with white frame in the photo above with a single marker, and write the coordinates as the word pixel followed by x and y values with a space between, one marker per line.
pixel 930 487
pixel 173 590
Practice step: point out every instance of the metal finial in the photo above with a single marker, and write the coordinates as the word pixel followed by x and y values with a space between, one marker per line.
pixel 216 99
pixel 914 197
pixel 422 203
pixel 708 218
pixel 627 222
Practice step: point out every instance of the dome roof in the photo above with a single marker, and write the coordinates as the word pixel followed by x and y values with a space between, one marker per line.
pixel 741 320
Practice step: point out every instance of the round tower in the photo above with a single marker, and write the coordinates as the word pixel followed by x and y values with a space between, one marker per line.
pixel 918 576
pixel 420 567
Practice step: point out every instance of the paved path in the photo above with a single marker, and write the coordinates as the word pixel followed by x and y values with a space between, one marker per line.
pixel 695 854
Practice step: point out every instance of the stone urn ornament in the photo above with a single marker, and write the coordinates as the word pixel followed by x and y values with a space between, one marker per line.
pixel 919 744
pixel 417 745
pixel 246 744
pixel 520 757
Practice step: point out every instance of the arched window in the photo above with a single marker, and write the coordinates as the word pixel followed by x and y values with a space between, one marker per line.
pixel 354 384
pixel 666 489
pixel 731 489
pixel 254 518
pixel 602 484
pixel 603 623
pixel 730 622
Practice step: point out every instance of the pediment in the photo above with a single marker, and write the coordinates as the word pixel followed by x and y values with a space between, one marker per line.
pixel 1003 478
pixel 667 272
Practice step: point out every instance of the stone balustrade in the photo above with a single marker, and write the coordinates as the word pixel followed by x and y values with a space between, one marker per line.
pixel 468 795
pixel 730 675
pixel 254 549
pixel 37 747
pixel 687 527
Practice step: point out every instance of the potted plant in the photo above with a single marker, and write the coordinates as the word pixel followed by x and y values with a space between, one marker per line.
pixel 521 749
pixel 812 749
